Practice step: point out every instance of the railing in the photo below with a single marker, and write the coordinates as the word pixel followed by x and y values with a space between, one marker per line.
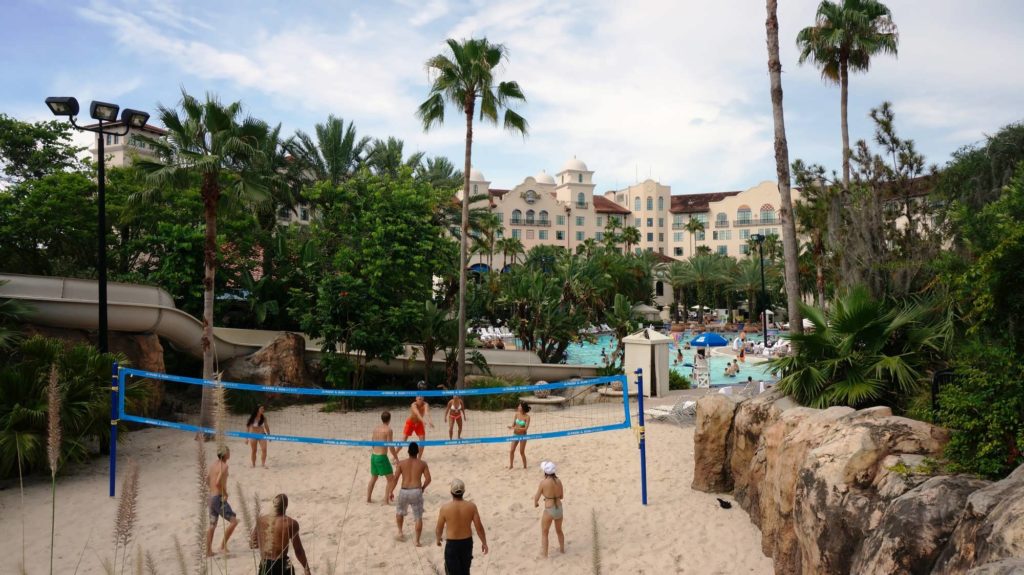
pixel 721 224
pixel 678 226
pixel 582 205
pixel 522 222
pixel 756 222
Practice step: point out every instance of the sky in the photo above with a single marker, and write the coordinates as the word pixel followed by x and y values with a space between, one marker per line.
pixel 672 90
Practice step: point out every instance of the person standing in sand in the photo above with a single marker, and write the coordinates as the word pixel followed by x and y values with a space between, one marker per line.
pixel 272 535
pixel 551 490
pixel 455 413
pixel 520 425
pixel 458 516
pixel 419 414
pixel 379 464
pixel 415 477
pixel 217 482
pixel 258 424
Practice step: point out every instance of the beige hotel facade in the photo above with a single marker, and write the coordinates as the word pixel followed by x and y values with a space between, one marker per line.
pixel 564 210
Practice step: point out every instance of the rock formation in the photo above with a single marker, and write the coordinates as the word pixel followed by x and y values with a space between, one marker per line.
pixel 711 442
pixel 280 362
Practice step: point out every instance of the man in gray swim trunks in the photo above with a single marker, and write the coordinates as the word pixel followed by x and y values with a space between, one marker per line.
pixel 414 476
pixel 217 481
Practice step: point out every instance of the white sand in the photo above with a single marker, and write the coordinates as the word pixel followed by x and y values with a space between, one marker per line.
pixel 680 531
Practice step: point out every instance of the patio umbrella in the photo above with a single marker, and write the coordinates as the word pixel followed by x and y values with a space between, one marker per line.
pixel 698 307
pixel 709 339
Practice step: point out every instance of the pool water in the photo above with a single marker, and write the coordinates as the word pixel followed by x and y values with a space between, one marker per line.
pixel 590 354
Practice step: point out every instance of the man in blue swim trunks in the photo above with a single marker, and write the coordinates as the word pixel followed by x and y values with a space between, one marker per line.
pixel 217 481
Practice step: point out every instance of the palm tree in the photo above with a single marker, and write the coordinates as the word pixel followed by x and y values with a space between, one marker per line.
pixel 487 227
pixel 844 37
pixel 789 241
pixel 334 155
pixel 812 210
pixel 211 142
pixel 630 236
pixel 611 232
pixel 461 76
pixel 677 276
pixel 694 226
pixel 705 271
pixel 387 157
pixel 434 331
pixel 439 173
pixel 747 279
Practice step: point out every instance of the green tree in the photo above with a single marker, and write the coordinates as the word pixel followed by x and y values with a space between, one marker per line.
pixel 435 331
pixel 509 247
pixel 630 236
pixel 333 155
pixel 694 226
pixel 388 157
pixel 678 276
pixel 30 151
pixel 440 173
pixel 213 144
pixel 812 214
pixel 747 280
pixel 465 73
pixel 844 38
pixel 486 237
pixel 705 272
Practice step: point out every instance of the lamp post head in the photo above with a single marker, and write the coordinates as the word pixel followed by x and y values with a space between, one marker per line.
pixel 104 111
pixel 134 118
pixel 757 237
pixel 62 105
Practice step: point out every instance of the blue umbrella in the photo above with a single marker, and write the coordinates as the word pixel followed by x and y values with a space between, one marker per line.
pixel 709 339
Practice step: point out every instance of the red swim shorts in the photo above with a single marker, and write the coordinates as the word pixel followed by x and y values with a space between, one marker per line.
pixel 414 428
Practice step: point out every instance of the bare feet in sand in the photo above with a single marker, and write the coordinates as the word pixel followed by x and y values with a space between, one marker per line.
pixel 400 537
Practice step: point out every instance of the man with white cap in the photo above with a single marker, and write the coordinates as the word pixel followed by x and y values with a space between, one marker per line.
pixel 457 516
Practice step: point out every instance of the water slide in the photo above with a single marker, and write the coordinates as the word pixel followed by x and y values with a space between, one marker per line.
pixel 71 303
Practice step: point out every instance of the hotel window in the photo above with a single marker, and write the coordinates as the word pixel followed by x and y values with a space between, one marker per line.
pixel 517 217
pixel 599 236
pixel 636 204
pixel 501 217
pixel 543 234
pixel 744 249
pixel 474 192
pixel 600 221
pixel 678 219
pixel 637 251
pixel 531 216
pixel 650 203
pixel 702 218
pixel 723 250
pixel 661 222
pixel 767 214
pixel 517 234
pixel 544 216
pixel 700 236
pixel 581 200
pixel 579 236
pixel 744 234
pixel 714 235
pixel 678 251
pixel 559 235
pixel 560 220
pixel 650 222
pixel 529 234
pixel 661 203
pixel 581 221
pixel 721 219
pixel 650 237
pixel 772 232
pixel 661 237
pixel 620 198
pixel 743 216
pixel 284 213
pixel 501 234
pixel 580 180
pixel 304 213
pixel 661 251
pixel 636 222
pixel 659 289
pixel 677 236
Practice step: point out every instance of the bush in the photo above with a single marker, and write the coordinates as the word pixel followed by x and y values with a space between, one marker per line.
pixel 985 411
pixel 677 381
pixel 495 402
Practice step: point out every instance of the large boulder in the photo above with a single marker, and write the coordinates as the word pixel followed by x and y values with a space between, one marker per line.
pixel 752 417
pixel 915 527
pixel 711 443
pixel 776 466
pixel 836 502
pixel 280 362
pixel 991 528
pixel 143 351
pixel 1004 567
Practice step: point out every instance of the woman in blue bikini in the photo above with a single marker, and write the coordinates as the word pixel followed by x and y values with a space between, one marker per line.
pixel 551 490
pixel 520 424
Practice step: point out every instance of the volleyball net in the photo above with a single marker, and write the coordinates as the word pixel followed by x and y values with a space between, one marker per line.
pixel 312 415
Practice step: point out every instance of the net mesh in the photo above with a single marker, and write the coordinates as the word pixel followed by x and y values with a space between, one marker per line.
pixel 570 407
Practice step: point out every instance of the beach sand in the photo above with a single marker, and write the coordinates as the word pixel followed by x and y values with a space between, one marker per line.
pixel 679 531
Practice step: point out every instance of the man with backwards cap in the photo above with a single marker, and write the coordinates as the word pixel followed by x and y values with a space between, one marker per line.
pixel 457 515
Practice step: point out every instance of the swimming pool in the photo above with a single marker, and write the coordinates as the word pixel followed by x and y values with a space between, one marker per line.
pixel 590 354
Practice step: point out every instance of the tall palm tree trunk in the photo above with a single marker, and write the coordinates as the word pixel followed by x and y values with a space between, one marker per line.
pixel 844 95
pixel 789 245
pixel 819 270
pixel 460 381
pixel 211 196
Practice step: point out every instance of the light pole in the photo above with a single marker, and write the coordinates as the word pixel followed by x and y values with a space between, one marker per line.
pixel 102 112
pixel 759 238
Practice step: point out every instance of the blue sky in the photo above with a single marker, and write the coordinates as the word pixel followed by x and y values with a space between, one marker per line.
pixel 673 90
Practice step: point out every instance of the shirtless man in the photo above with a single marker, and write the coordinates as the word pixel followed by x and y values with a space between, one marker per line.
pixel 458 516
pixel 379 464
pixel 272 535
pixel 217 481
pixel 415 477
pixel 419 413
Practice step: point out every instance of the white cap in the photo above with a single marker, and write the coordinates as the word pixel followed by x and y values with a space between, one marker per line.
pixel 548 467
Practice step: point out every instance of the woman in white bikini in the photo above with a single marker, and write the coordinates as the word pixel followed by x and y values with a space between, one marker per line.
pixel 551 490
pixel 455 413
pixel 258 424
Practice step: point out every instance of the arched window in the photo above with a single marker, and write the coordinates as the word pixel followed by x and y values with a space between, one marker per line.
pixel 581 199
pixel 544 215
pixel 581 178
pixel 650 203
pixel 767 214
pixel 636 204
pixel 659 289
pixel 517 216
pixel 530 216
pixel 661 203
pixel 721 217
pixel 743 215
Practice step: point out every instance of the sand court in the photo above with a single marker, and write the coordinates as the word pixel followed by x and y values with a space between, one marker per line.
pixel 680 531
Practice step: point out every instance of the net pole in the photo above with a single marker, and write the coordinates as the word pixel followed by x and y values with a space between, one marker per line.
pixel 114 403
pixel 642 434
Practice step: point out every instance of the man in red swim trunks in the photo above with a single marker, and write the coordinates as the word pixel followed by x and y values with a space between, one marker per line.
pixel 419 413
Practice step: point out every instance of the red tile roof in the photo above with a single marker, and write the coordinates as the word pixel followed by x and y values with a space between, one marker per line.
pixel 696 203
pixel 605 206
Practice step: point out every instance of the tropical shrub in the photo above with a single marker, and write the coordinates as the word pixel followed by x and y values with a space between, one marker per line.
pixel 677 381
pixel 985 411
pixel 865 351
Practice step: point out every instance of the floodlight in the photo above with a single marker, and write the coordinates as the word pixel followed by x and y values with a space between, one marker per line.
pixel 134 118
pixel 757 237
pixel 62 105
pixel 103 111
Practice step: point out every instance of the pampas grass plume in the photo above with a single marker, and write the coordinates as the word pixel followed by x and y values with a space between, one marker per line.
pixel 127 514
pixel 203 493
pixel 53 402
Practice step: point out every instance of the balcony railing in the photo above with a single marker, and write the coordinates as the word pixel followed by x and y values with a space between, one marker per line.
pixel 721 224
pixel 522 222
pixel 678 226
pixel 582 205
pixel 756 222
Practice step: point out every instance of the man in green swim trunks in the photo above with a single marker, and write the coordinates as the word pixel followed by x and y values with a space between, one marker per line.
pixel 379 464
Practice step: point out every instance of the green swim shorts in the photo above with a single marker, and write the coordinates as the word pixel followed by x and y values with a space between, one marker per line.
pixel 380 465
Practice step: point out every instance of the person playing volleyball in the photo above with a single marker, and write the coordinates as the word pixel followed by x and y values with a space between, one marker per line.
pixel 519 426
pixel 419 414
pixel 379 464
pixel 551 490
pixel 455 413
pixel 258 424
